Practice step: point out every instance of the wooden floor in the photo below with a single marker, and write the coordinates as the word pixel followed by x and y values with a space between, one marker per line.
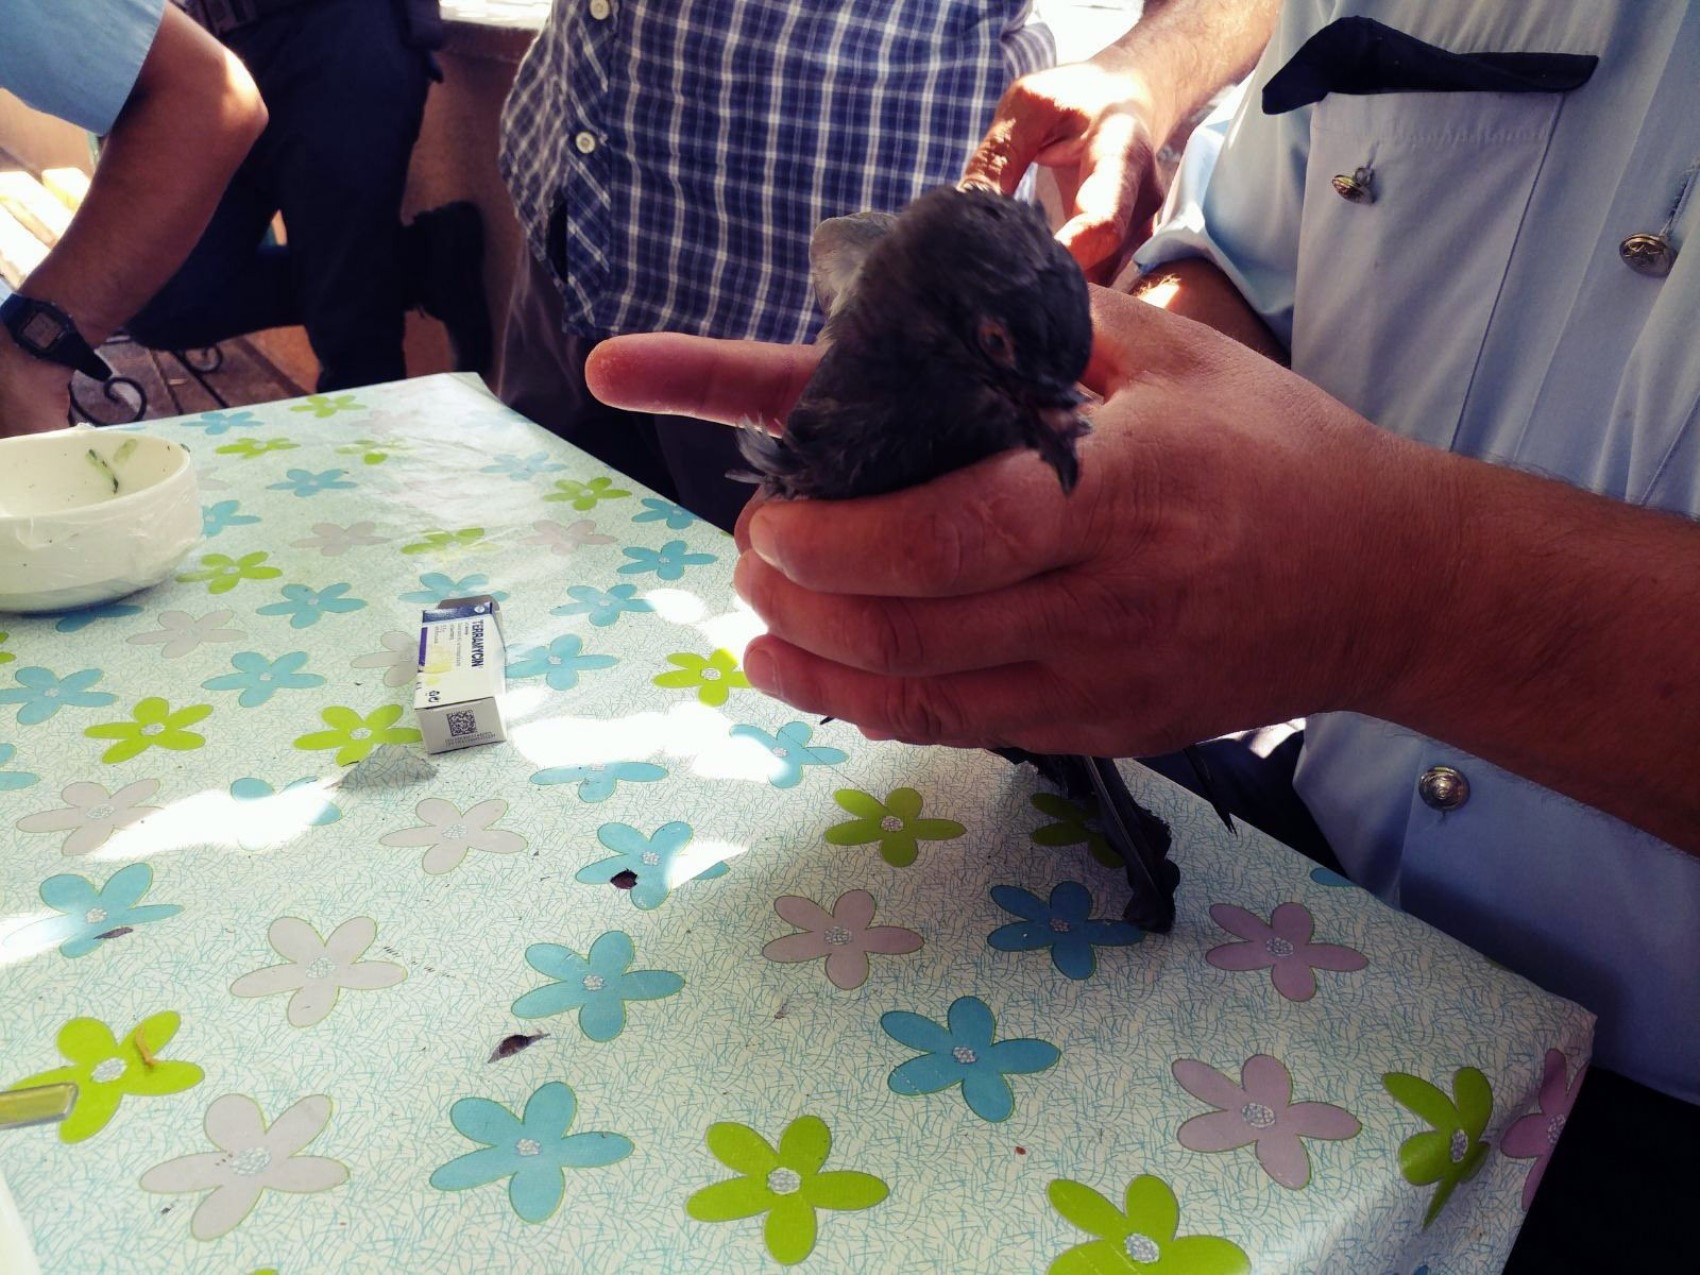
pixel 34 211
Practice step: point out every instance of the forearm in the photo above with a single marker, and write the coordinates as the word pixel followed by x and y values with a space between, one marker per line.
pixel 1182 51
pixel 1552 632
pixel 191 118
pixel 1196 289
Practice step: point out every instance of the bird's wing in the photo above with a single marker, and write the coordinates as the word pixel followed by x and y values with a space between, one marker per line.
pixel 837 249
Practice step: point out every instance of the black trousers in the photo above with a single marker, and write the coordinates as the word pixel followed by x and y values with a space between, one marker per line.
pixel 1616 1194
pixel 346 95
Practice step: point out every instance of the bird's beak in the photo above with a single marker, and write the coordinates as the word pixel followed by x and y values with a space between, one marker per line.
pixel 1057 409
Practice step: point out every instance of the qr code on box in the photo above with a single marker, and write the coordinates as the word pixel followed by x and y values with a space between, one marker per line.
pixel 463 723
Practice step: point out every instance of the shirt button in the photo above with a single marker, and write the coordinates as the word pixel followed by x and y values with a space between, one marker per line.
pixel 600 9
pixel 586 142
pixel 1443 788
pixel 1647 254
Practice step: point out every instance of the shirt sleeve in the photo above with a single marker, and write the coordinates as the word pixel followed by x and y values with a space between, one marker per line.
pixel 77 59
pixel 1239 192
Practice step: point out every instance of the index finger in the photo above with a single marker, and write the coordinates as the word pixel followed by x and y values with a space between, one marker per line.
pixel 729 381
pixel 992 524
pixel 1018 132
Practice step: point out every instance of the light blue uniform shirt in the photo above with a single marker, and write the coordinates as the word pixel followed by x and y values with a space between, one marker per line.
pixel 77 59
pixel 1480 304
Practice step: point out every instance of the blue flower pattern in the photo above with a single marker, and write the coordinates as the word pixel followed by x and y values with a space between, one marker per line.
pixel 1064 925
pixel 304 482
pixel 215 518
pixel 306 607
pixel 597 985
pixel 216 423
pixel 790 751
pixel 603 607
pixel 963 1052
pixel 523 468
pixel 677 517
pixel 259 678
pixel 76 621
pixel 597 780
pixel 86 912
pixel 251 789
pixel 12 780
pixel 39 694
pixel 532 1151
pixel 668 562
pixel 437 586
pixel 559 663
pixel 649 860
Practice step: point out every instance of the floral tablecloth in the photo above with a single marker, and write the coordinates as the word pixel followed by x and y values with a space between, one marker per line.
pixel 676 979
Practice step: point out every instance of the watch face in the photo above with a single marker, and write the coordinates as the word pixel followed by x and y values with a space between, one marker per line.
pixel 41 331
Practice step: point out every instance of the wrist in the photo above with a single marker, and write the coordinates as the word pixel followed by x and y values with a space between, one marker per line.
pixel 34 394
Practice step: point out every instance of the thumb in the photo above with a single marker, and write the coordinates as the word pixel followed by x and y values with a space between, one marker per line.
pixel 1022 127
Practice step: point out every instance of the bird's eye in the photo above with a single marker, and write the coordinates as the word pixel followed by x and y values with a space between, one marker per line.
pixel 995 342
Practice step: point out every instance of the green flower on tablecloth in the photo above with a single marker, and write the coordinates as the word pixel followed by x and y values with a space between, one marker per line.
pixel 6 657
pixel 353 736
pixel 1451 1152
pixel 447 542
pixel 107 1070
pixel 787 1183
pixel 585 495
pixel 323 405
pixel 894 823
pixel 532 1151
pixel 250 448
pixel 12 780
pixel 714 676
pixel 1076 824
pixel 223 573
pixel 1139 1236
pixel 372 451
pixel 155 725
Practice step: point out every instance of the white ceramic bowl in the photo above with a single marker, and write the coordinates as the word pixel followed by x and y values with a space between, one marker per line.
pixel 89 515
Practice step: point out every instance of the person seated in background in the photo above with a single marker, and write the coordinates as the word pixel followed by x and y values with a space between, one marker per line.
pixel 178 114
pixel 345 84
pixel 1485 257
pixel 669 161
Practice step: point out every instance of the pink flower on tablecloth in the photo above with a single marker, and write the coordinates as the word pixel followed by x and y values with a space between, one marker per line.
pixel 1282 946
pixel 1258 1110
pixel 91 814
pixel 450 834
pixel 842 935
pixel 564 539
pixel 1536 1134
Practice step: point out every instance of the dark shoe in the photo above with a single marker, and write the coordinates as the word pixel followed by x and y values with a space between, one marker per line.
pixel 445 267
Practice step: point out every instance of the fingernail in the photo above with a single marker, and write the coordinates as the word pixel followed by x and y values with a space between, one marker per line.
pixel 762 670
pixel 763 541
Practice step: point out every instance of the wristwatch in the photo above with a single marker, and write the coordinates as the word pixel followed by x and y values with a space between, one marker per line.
pixel 44 330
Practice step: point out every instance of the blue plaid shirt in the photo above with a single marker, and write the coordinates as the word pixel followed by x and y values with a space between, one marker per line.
pixel 670 157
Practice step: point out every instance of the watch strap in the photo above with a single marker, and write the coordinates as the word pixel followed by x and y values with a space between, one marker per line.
pixel 68 348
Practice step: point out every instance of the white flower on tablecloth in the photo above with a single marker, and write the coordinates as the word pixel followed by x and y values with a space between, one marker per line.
pixel 399 659
pixel 252 1159
pixel 333 540
pixel 318 969
pixel 91 814
pixel 565 538
pixel 450 834
pixel 179 632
